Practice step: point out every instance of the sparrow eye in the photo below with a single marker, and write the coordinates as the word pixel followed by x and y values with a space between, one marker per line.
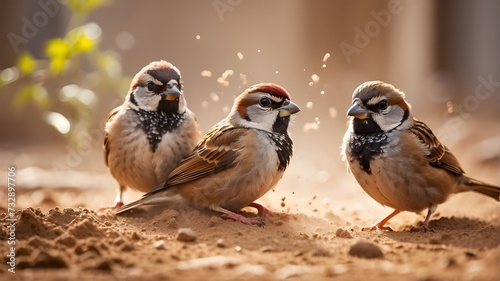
pixel 383 105
pixel 265 102
pixel 151 86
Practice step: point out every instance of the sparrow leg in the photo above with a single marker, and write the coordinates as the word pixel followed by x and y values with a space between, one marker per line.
pixel 380 225
pixel 263 211
pixel 425 225
pixel 118 201
pixel 260 221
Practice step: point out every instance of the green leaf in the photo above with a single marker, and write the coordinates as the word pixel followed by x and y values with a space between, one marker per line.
pixel 26 63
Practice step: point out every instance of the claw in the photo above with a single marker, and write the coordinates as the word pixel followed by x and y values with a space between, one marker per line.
pixel 424 227
pixel 377 226
pixel 380 225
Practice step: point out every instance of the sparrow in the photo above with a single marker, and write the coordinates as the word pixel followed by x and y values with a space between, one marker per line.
pixel 397 159
pixel 237 161
pixel 151 132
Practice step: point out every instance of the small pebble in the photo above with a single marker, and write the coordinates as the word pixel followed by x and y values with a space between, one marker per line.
pixel 366 250
pixel 159 245
pixel 186 235
pixel 221 243
pixel 343 233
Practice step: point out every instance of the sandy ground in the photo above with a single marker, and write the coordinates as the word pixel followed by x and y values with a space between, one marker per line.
pixel 313 233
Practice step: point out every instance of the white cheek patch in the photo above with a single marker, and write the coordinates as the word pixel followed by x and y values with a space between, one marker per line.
pixel 389 118
pixel 261 119
pixel 146 100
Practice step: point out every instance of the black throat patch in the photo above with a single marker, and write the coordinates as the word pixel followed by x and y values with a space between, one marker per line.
pixel 366 142
pixel 284 148
pixel 158 123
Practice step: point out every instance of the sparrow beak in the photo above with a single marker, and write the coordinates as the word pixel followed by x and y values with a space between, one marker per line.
pixel 171 93
pixel 288 108
pixel 357 111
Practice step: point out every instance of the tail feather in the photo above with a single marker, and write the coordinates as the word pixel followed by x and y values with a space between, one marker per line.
pixel 470 184
pixel 149 199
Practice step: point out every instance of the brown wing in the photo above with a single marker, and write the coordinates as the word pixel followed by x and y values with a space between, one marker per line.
pixel 217 152
pixel 439 155
pixel 106 147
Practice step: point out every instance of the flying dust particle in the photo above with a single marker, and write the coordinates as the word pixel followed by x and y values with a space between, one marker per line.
pixel 324 66
pixel 214 96
pixel 223 79
pixel 322 92
pixel 309 104
pixel 204 104
pixel 198 37
pixel 310 126
pixel 311 83
pixel 315 78
pixel 206 73
pixel 240 55
pixel 326 57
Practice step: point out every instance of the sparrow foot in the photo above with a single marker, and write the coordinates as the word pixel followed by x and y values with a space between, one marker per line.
pixel 424 227
pixel 112 209
pixel 380 225
pixel 258 221
pixel 377 226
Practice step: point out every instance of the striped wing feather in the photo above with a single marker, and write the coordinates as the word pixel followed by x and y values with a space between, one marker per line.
pixel 439 155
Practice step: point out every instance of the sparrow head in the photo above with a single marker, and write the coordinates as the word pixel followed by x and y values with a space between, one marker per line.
pixel 157 87
pixel 264 106
pixel 379 105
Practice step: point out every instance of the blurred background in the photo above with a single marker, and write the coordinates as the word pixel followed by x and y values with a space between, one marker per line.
pixel 65 64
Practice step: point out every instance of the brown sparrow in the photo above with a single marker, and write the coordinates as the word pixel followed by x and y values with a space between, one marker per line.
pixel 151 132
pixel 240 158
pixel 397 159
